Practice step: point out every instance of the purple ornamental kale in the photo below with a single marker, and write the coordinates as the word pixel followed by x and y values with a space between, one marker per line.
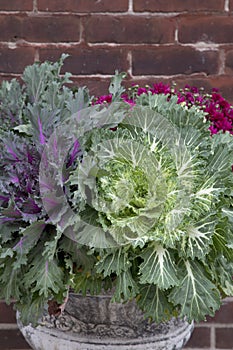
pixel 19 185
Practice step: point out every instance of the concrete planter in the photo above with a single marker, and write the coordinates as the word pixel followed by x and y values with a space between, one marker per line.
pixel 94 323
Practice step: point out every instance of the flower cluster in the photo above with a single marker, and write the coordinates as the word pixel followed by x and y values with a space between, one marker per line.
pixel 218 110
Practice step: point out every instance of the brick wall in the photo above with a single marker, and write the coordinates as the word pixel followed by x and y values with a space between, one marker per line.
pixel 187 41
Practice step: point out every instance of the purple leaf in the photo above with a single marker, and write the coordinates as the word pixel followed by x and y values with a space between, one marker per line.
pixel 75 151
pixel 10 150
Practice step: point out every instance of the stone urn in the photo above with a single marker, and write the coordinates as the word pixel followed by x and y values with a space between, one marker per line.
pixel 95 323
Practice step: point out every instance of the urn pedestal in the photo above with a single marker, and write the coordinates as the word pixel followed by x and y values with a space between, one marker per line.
pixel 95 323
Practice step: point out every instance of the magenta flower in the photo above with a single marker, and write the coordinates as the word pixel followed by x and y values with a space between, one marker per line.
pixel 218 109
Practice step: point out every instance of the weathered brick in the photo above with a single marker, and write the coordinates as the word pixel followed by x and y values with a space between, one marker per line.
pixel 224 315
pixel 129 29
pixel 225 86
pixel 173 60
pixel 224 338
pixel 200 338
pixel 15 60
pixel 12 339
pixel 212 29
pixel 222 82
pixel 96 86
pixel 89 60
pixel 178 5
pixel 15 5
pixel 81 6
pixel 40 28
pixel 229 62
pixel 7 314
pixel 8 77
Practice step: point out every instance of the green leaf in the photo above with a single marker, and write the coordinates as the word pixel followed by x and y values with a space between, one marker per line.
pixel 31 310
pixel 79 255
pixel 197 240
pixel 29 239
pixel 51 246
pixel 222 243
pixel 206 194
pixel 115 88
pixel 78 101
pixel 223 270
pixel 6 232
pixel 115 262
pixel 92 236
pixel 228 212
pixel 154 303
pixel 12 101
pixel 10 281
pixel 87 282
pixel 38 77
pixel 196 295
pixel 44 277
pixel 42 121
pixel 219 161
pixel 126 287
pixel 6 252
pixel 24 129
pixel 158 267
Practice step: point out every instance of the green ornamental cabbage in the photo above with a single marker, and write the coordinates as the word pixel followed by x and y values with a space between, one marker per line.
pixel 134 198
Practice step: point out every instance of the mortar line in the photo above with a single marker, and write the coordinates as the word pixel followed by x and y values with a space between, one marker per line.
pixel 8 326
pixel 129 59
pixel 226 6
pixel 37 55
pixel 35 6
pixel 130 8
pixel 212 337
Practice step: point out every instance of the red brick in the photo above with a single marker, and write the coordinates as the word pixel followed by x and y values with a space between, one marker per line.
pixel 224 315
pixel 229 62
pixel 40 28
pixel 173 60
pixel 7 314
pixel 14 5
pixel 15 60
pixel 225 86
pixel 81 6
pixel 224 338
pixel 8 77
pixel 89 60
pixel 96 86
pixel 212 29
pixel 12 339
pixel 231 5
pixel 129 29
pixel 221 82
pixel 200 338
pixel 178 5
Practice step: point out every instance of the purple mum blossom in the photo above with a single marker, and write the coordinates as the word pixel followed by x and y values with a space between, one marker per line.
pixel 102 99
pixel 219 111
pixel 161 88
